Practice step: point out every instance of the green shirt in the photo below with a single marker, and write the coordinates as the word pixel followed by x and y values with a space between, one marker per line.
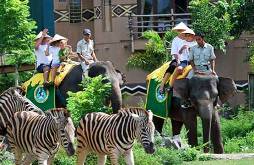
pixel 63 52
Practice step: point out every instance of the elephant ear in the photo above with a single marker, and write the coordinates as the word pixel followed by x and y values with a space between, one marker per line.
pixel 96 69
pixel 182 88
pixel 226 88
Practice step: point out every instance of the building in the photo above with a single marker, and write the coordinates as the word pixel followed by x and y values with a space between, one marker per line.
pixel 109 21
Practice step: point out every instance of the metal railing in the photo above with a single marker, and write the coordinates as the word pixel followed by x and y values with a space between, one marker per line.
pixel 158 22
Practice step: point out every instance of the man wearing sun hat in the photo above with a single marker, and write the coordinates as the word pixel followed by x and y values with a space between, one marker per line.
pixel 85 50
pixel 176 45
pixel 43 61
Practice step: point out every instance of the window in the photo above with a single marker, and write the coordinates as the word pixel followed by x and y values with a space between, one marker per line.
pixel 62 0
pixel 75 11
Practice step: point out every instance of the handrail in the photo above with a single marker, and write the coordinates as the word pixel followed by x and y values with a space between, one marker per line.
pixel 160 23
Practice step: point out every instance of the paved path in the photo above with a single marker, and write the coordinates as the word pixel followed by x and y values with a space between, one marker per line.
pixel 231 156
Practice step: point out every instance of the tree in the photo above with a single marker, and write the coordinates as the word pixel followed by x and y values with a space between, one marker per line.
pixel 17 34
pixel 155 53
pixel 213 20
pixel 242 16
pixel 17 31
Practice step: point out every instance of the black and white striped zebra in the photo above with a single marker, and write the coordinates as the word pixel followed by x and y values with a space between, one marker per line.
pixel 13 100
pixel 114 134
pixel 39 136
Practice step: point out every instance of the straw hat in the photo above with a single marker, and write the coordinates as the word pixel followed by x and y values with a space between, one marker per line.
pixel 180 26
pixel 57 37
pixel 40 35
pixel 189 31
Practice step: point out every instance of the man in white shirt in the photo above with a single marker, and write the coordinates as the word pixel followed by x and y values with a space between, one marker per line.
pixel 85 50
pixel 43 61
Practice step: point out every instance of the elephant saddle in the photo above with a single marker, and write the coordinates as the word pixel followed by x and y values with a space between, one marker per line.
pixel 41 97
pixel 159 103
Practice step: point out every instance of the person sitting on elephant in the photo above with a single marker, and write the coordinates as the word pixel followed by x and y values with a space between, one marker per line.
pixel 202 57
pixel 53 50
pixel 43 61
pixel 85 50
pixel 202 60
pixel 65 50
pixel 177 44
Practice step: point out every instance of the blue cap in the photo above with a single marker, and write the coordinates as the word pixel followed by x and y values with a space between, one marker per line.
pixel 87 31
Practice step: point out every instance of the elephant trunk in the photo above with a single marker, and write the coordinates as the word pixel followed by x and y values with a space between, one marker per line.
pixel 116 97
pixel 205 110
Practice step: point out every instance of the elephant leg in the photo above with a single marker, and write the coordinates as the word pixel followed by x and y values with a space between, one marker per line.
pixel 190 122
pixel 158 123
pixel 176 127
pixel 216 134
pixel 206 133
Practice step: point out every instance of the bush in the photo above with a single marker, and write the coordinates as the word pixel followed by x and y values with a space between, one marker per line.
pixel 239 126
pixel 91 99
pixel 155 53
pixel 240 144
pixel 6 158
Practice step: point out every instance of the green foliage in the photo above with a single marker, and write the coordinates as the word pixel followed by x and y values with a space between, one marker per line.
pixel 213 20
pixel 8 80
pixel 240 144
pixel 251 56
pixel 6 158
pixel 189 154
pixel 91 99
pixel 16 31
pixel 61 158
pixel 241 15
pixel 238 126
pixel 155 53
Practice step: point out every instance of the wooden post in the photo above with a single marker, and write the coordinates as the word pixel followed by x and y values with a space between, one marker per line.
pixel 251 90
pixel 16 76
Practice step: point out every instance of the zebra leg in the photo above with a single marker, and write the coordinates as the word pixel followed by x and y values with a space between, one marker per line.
pixel 128 156
pixel 29 158
pixel 81 154
pixel 50 160
pixel 18 156
pixel 114 155
pixel 102 159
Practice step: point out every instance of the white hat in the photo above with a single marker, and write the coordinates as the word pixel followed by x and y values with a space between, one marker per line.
pixel 180 26
pixel 57 37
pixel 189 31
pixel 40 34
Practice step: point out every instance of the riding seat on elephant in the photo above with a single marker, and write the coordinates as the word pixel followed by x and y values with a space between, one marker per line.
pixel 203 92
pixel 71 80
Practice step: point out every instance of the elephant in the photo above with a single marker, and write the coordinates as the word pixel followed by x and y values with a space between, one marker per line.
pixel 73 79
pixel 203 92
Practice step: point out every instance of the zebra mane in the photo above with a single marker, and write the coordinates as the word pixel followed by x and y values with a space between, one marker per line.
pixel 135 110
pixel 11 91
pixel 138 111
pixel 58 111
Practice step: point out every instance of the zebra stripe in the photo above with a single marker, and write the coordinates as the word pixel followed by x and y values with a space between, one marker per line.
pixel 12 100
pixel 39 136
pixel 114 134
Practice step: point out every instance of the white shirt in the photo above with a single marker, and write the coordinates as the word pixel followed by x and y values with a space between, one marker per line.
pixel 176 45
pixel 41 57
pixel 85 48
pixel 186 52
pixel 54 52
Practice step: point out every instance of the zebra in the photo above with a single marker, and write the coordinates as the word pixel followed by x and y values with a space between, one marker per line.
pixel 13 100
pixel 114 134
pixel 39 136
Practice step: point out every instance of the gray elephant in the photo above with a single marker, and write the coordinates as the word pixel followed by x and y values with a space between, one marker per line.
pixel 203 92
pixel 73 79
